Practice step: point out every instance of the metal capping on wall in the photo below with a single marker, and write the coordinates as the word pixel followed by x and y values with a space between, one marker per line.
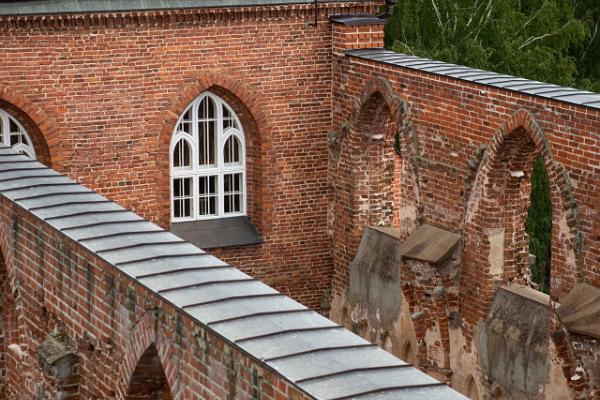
pixel 318 356
pixel 508 82
pixel 33 7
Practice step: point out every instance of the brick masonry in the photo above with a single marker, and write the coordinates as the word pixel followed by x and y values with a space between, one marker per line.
pixel 100 94
pixel 113 85
pixel 459 142
pixel 124 335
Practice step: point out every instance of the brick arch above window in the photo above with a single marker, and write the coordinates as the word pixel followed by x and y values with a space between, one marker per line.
pixel 39 125
pixel 247 105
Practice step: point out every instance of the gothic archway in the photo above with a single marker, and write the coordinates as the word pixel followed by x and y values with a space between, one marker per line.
pixel 149 381
pixel 496 247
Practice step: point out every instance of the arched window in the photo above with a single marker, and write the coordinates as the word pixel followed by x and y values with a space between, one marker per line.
pixel 13 134
pixel 208 166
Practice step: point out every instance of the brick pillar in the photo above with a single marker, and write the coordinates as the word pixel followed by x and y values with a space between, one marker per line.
pixel 357 31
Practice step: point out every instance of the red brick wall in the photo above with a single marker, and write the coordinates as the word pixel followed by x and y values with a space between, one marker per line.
pixel 450 120
pixel 121 332
pixel 105 91
pixel 459 141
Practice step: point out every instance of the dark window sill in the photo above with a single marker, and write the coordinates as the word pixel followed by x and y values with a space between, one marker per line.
pixel 222 232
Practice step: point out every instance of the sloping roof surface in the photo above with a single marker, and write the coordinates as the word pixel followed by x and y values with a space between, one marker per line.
pixel 522 85
pixel 30 7
pixel 317 355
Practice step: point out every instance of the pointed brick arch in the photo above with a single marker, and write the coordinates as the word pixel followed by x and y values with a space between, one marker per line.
pixel 370 181
pixel 149 366
pixel 253 115
pixel 40 126
pixel 495 243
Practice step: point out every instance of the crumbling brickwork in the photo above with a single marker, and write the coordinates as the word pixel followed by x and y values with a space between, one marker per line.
pixel 466 153
pixel 334 143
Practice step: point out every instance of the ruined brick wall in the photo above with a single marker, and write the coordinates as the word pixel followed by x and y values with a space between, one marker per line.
pixel 128 343
pixel 104 92
pixel 459 142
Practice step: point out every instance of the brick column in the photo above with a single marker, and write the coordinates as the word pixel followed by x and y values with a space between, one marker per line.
pixel 357 31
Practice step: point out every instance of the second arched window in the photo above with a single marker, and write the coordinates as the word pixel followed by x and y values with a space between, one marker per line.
pixel 208 168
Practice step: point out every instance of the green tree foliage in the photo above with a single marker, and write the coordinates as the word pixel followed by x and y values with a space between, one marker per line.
pixel 546 40
pixel 539 225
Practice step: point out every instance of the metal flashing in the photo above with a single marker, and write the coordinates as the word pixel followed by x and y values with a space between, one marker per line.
pixel 522 85
pixel 316 355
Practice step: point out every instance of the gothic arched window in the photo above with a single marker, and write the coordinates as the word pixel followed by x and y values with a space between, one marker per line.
pixel 208 167
pixel 14 135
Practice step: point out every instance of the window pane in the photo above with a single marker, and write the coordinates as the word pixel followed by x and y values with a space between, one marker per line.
pixel 181 154
pixel 186 122
pixel 182 197
pixel 207 191
pixel 231 151
pixel 207 109
pixel 207 135
pixel 232 193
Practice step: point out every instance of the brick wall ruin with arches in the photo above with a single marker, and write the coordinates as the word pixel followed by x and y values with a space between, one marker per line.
pixel 385 192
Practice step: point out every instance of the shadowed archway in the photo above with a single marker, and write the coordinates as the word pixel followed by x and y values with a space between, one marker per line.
pixel 148 381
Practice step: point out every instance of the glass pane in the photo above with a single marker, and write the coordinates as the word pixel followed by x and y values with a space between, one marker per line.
pixel 182 197
pixel 202 109
pixel 212 126
pixel 207 191
pixel 232 193
pixel 210 108
pixel 231 151
pixel 181 154
pixel 207 135
pixel 13 126
pixel 186 122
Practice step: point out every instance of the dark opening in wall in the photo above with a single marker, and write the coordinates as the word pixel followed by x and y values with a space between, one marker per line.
pixel 539 226
pixel 148 381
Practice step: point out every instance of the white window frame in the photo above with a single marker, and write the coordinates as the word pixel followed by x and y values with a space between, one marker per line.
pixel 25 148
pixel 219 169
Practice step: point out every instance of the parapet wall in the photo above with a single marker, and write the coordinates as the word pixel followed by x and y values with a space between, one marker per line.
pixel 419 141
pixel 97 302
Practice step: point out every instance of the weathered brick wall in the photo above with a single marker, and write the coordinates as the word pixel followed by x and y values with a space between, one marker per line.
pixel 122 333
pixel 113 85
pixel 450 120
pixel 459 142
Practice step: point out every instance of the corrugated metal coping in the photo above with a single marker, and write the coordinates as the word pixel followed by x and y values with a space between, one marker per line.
pixel 318 356
pixel 33 7
pixel 508 82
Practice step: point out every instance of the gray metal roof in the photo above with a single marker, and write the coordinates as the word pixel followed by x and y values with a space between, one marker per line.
pixel 318 356
pixel 502 81
pixel 31 7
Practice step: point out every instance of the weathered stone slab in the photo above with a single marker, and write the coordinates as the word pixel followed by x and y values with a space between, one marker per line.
pixel 514 340
pixel 580 310
pixel 375 274
pixel 430 244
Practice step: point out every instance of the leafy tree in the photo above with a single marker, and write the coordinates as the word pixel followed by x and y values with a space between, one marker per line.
pixel 539 225
pixel 537 39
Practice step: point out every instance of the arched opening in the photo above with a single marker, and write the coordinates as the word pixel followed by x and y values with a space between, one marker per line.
pixel 497 233
pixel 539 227
pixel 366 180
pixel 148 381
pixel 19 131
